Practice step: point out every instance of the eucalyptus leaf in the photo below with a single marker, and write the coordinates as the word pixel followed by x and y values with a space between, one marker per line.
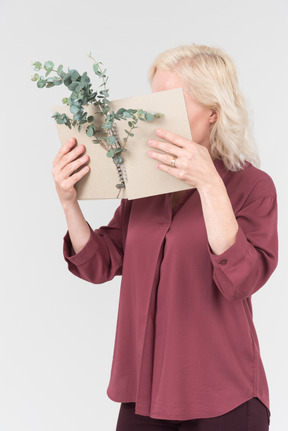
pixel 48 65
pixel 90 131
pixel 111 140
pixel 149 117
pixel 120 186
pixel 35 77
pixel 57 81
pixel 110 153
pixel 73 86
pixel 37 65
pixel 59 70
pixel 41 83
pixel 74 109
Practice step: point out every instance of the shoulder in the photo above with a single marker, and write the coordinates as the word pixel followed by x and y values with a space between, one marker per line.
pixel 251 182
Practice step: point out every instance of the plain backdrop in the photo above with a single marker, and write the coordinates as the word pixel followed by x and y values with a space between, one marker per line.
pixel 57 331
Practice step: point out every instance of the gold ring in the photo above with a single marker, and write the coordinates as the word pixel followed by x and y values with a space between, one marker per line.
pixel 173 162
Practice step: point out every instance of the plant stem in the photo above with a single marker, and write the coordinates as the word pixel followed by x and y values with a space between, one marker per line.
pixel 100 70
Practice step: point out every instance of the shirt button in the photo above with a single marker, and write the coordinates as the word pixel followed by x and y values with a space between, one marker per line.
pixel 223 262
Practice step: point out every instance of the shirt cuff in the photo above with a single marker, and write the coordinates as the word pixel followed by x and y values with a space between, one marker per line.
pixel 87 252
pixel 235 253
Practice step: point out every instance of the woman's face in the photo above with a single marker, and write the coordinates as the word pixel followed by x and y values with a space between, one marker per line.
pixel 200 118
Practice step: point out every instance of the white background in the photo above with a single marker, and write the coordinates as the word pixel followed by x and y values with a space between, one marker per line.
pixel 57 331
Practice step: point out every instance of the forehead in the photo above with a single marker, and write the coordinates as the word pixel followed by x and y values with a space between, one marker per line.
pixel 166 80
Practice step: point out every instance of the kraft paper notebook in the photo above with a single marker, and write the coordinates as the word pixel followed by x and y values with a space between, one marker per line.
pixel 142 177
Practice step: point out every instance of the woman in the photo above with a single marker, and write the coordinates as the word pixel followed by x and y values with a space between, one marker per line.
pixel 186 354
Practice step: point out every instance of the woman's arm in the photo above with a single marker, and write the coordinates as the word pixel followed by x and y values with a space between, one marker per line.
pixel 101 258
pixel 221 224
pixel 246 265
pixel 77 226
pixel 66 162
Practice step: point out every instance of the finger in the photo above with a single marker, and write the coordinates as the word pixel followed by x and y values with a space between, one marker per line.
pixel 69 182
pixel 165 146
pixel 69 157
pixel 172 137
pixel 165 158
pixel 65 149
pixel 73 166
pixel 177 173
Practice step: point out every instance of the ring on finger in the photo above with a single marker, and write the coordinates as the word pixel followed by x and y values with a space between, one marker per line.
pixel 172 163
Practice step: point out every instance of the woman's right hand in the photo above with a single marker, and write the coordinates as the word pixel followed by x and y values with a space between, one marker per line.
pixel 65 163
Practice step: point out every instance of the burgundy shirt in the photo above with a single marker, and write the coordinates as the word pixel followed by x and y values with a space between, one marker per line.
pixel 185 343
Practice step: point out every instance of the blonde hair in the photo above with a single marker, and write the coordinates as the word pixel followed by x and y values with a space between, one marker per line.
pixel 212 80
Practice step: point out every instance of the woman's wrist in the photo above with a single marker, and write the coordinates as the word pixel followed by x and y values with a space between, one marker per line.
pixel 69 205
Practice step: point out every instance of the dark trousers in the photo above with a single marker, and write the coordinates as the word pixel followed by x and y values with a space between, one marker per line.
pixel 249 416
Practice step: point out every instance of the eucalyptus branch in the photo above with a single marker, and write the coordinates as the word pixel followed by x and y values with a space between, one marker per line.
pixel 82 94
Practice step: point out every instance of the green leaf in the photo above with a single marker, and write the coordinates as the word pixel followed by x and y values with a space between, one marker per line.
pixel 117 150
pixel 74 109
pixel 96 141
pixel 79 86
pixel 64 100
pixel 90 119
pixel 130 124
pixel 57 81
pixel 49 65
pixel 67 80
pixel 120 186
pixel 41 83
pixel 50 84
pixel 35 77
pixel 73 86
pixel 104 93
pixel 48 71
pixel 120 111
pixel 111 140
pixel 60 70
pixel 149 117
pixel 90 131
pixel 79 128
pixel 37 65
pixel 110 153
pixel 75 76
pixel 127 114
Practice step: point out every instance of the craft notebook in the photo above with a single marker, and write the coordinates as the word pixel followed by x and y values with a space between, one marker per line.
pixel 142 178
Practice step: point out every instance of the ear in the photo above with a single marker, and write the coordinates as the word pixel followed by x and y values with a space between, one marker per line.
pixel 213 117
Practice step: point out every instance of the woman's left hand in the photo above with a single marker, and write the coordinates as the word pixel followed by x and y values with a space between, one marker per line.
pixel 193 164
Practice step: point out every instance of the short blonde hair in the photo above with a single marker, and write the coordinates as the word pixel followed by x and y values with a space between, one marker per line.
pixel 212 81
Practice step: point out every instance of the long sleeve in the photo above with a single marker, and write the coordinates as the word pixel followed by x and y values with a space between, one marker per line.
pixel 102 256
pixel 246 266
